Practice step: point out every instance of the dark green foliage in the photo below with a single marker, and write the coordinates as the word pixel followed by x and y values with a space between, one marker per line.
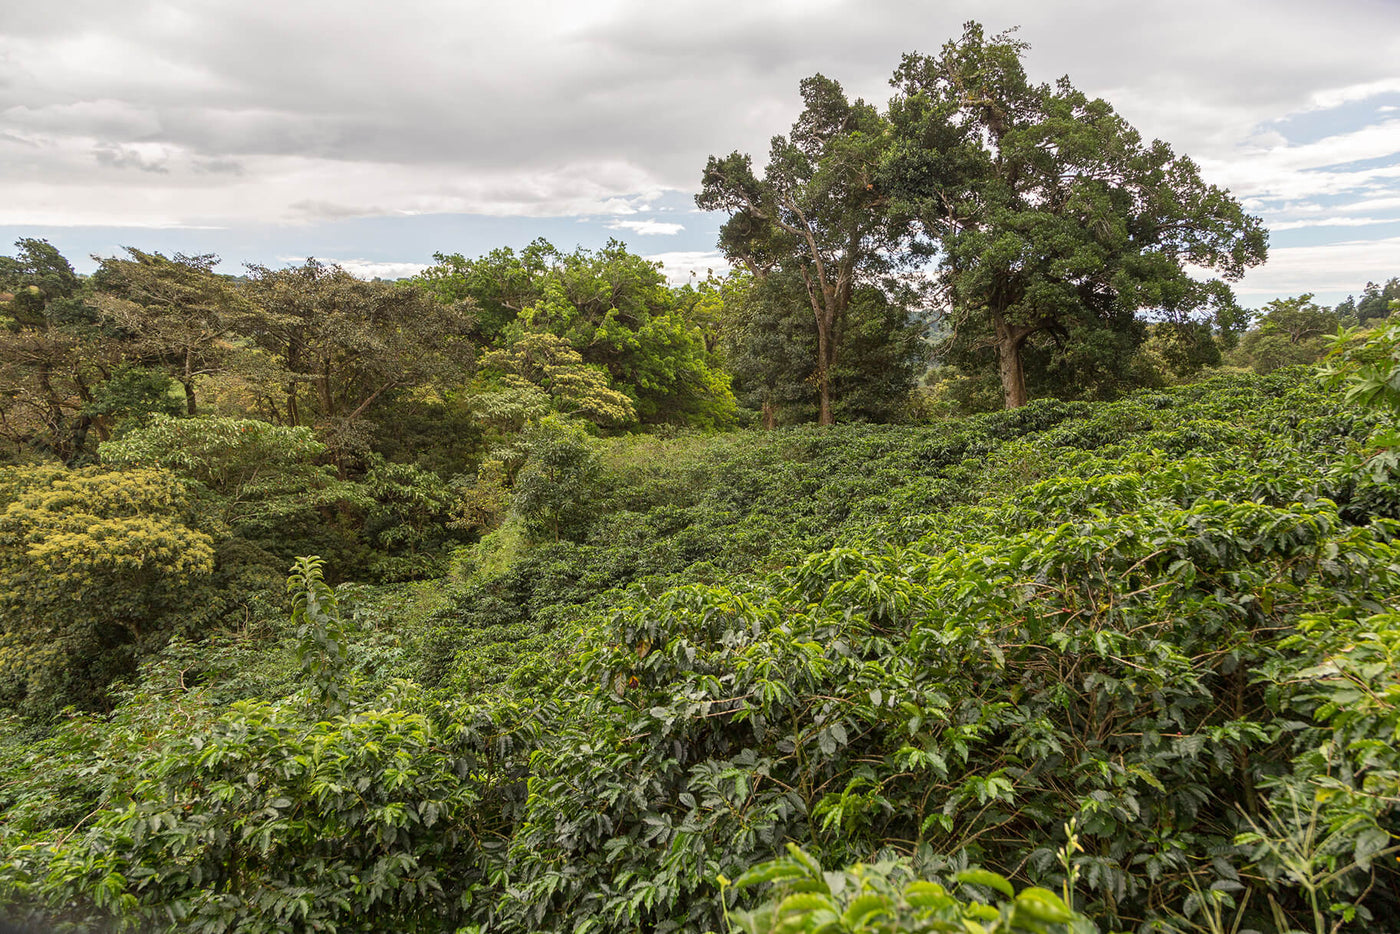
pixel 39 274
pixel 816 220
pixel 407 519
pixel 769 344
pixel 1105 650
pixel 1052 222
pixel 52 354
pixel 1375 301
pixel 131 396
pixel 551 492
pixel 769 340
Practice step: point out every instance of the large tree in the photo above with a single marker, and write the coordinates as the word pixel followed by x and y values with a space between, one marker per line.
pixel 341 345
pixel 816 213
pixel 1376 299
pixel 1289 331
pixel 1050 220
pixel 54 353
pixel 613 308
pixel 769 344
pixel 174 313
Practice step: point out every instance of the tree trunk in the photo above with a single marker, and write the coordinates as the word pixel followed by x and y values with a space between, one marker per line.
pixel 824 416
pixel 770 415
pixel 188 382
pixel 58 423
pixel 293 362
pixel 1009 339
pixel 825 316
pixel 79 438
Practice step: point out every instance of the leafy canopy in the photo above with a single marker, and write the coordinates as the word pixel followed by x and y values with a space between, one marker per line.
pixel 1049 218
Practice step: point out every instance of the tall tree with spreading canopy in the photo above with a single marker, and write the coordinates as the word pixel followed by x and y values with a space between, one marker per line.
pixel 342 344
pixel 816 212
pixel 175 313
pixel 1050 219
pixel 613 308
pixel 54 353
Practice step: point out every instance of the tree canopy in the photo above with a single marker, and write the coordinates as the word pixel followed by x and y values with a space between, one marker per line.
pixel 816 214
pixel 1047 216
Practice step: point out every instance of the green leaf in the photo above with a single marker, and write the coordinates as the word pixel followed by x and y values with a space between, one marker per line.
pixel 1370 842
pixel 986 878
pixel 863 906
pixel 1044 906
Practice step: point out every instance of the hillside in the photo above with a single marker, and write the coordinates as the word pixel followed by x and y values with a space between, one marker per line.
pixel 1140 652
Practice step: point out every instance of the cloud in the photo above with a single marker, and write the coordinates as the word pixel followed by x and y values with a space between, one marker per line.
pixel 373 269
pixel 1335 269
pixel 684 266
pixel 648 228
pixel 1336 97
pixel 511 91
pixel 1327 166
pixel 142 158
pixel 155 114
pixel 1333 222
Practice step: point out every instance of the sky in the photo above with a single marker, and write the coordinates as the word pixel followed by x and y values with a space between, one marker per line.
pixel 375 133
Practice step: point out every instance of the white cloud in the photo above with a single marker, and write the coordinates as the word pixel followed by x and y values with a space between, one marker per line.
pixel 373 269
pixel 684 266
pixel 1335 268
pixel 1332 222
pixel 1284 171
pixel 648 228
pixel 155 114
pixel 83 181
pixel 1336 97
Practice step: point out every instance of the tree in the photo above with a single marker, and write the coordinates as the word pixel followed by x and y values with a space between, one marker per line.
pixel 817 212
pixel 768 346
pixel 1376 299
pixel 544 362
pixel 54 354
pixel 1049 218
pixel 551 492
pixel 341 344
pixel 613 308
pixel 95 565
pixel 1290 331
pixel 174 313
pixel 501 284
pixel 263 483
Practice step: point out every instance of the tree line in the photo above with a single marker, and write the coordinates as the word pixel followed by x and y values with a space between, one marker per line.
pixel 1020 237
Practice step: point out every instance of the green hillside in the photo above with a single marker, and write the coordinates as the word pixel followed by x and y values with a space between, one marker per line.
pixel 1139 653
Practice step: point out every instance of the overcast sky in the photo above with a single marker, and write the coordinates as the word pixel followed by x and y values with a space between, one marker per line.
pixel 376 133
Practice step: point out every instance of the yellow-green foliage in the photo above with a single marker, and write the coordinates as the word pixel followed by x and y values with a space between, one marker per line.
pixel 91 560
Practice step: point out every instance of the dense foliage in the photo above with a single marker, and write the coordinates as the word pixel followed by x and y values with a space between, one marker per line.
pixel 1164 623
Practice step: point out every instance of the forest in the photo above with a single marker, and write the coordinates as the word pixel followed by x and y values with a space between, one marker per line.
pixel 966 558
